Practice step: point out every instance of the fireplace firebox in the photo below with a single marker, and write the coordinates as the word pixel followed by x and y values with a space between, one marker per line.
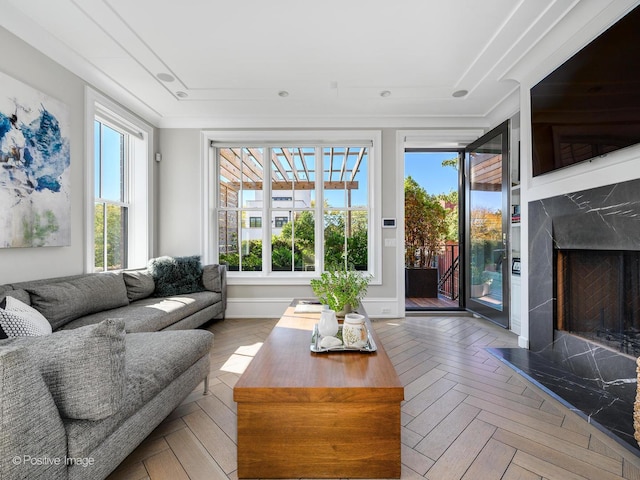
pixel 598 297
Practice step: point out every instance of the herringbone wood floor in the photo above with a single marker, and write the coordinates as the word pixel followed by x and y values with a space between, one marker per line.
pixel 465 415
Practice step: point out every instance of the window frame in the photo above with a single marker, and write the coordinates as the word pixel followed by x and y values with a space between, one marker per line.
pixel 311 138
pixel 138 189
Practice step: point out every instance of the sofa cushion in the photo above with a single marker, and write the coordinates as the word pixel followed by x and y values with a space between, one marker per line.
pixel 29 420
pixel 139 284
pixel 20 320
pixel 153 361
pixel 19 293
pixel 64 301
pixel 152 314
pixel 84 369
pixel 176 275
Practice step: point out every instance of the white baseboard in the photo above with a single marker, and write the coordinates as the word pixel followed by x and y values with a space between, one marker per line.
pixel 274 307
pixel 256 307
pixel 523 342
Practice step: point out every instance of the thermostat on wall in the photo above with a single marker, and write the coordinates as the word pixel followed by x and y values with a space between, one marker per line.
pixel 388 223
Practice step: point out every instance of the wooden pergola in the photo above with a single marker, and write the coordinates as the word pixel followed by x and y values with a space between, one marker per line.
pixel 288 169
pixel 292 168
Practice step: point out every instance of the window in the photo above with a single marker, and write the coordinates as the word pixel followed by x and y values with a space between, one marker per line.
pixel 111 204
pixel 280 221
pixel 119 216
pixel 317 194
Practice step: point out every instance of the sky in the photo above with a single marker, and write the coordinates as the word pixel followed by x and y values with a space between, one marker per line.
pixel 111 144
pixel 426 169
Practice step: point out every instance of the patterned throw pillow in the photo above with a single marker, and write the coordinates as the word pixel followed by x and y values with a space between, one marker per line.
pixel 17 319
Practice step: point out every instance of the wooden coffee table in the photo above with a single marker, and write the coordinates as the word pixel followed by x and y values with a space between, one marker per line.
pixel 317 415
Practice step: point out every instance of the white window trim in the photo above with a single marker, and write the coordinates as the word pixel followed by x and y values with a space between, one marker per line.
pixel 276 138
pixel 141 225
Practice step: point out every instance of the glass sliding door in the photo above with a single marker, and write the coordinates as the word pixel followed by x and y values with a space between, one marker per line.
pixel 486 225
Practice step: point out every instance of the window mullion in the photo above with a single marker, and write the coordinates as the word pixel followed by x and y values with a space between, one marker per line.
pixel 319 210
pixel 105 236
pixel 100 155
pixel 267 210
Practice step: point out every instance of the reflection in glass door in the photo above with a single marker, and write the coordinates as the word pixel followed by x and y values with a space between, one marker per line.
pixel 486 225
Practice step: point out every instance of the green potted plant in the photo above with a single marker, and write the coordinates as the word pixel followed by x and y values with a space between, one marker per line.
pixel 341 288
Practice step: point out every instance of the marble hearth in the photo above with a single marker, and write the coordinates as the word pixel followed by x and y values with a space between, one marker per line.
pixel 595 378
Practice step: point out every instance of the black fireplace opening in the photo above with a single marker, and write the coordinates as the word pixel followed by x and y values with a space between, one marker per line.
pixel 598 297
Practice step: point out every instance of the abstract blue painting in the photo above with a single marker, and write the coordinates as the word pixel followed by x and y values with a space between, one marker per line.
pixel 35 182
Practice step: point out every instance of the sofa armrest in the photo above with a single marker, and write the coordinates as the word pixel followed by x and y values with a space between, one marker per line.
pixel 223 282
pixel 214 278
pixel 33 442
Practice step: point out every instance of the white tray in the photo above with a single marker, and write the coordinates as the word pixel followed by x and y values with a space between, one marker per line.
pixel 316 348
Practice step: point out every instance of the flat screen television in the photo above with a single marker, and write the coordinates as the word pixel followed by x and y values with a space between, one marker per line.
pixel 590 105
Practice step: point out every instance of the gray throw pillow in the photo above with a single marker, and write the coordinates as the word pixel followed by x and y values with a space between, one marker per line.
pixel 64 301
pixel 84 369
pixel 139 284
pixel 176 275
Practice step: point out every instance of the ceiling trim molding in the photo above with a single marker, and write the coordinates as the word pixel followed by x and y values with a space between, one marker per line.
pixel 209 122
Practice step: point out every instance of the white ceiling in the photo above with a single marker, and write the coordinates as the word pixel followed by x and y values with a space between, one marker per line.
pixel 333 57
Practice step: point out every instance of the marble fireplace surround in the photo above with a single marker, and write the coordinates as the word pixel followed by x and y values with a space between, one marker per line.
pixel 603 218
pixel 597 382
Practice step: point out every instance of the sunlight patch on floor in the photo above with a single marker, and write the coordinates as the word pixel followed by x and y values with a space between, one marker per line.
pixel 240 359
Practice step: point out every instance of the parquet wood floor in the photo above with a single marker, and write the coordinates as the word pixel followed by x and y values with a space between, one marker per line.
pixel 465 416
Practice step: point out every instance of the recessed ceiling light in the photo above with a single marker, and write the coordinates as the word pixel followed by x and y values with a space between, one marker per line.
pixel 460 93
pixel 182 94
pixel 385 93
pixel 165 77
pixel 283 93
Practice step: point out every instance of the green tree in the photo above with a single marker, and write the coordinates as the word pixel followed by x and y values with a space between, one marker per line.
pixel 451 162
pixel 252 259
pixel 114 235
pixel 334 248
pixel 425 225
pixel 450 203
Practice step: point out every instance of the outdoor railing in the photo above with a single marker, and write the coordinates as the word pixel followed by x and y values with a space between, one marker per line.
pixel 449 268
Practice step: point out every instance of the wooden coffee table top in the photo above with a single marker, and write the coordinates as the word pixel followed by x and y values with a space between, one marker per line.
pixel 285 370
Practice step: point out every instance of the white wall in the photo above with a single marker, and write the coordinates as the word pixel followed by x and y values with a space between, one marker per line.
pixel 179 193
pixel 29 66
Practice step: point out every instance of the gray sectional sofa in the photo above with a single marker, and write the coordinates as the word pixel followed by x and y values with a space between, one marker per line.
pixel 75 403
pixel 80 300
